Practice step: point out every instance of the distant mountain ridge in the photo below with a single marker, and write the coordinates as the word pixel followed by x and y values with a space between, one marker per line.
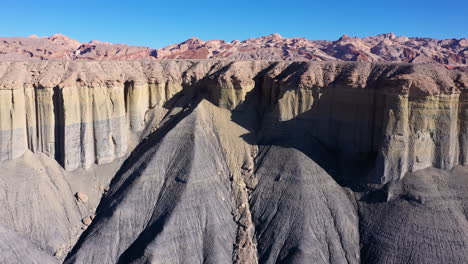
pixel 379 48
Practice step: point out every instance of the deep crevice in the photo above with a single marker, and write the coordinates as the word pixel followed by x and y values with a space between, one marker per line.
pixel 127 86
pixel 59 126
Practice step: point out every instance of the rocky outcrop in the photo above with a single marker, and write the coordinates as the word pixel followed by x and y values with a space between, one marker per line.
pixel 60 47
pixel 379 48
pixel 383 47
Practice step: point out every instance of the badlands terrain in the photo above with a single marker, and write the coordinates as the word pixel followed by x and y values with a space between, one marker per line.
pixel 380 48
pixel 269 150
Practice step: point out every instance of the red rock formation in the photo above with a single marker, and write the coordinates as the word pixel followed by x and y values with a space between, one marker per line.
pixel 383 47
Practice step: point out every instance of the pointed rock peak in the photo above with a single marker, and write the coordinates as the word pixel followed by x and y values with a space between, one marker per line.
pixel 193 39
pixel 274 36
pixel 463 42
pixel 388 35
pixel 33 36
pixel 64 40
pixel 59 36
pixel 344 38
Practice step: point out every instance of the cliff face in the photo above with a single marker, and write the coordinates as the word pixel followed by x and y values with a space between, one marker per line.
pixel 232 162
pixel 386 118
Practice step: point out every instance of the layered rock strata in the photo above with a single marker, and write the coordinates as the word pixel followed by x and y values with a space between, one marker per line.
pixel 381 120
pixel 383 47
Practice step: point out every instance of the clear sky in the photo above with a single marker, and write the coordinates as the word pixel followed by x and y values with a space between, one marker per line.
pixel 159 23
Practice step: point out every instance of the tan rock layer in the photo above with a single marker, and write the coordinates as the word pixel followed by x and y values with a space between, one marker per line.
pixel 408 116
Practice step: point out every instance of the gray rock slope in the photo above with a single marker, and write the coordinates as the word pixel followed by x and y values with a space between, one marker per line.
pixel 17 249
pixel 37 202
pixel 301 214
pixel 169 203
pixel 421 219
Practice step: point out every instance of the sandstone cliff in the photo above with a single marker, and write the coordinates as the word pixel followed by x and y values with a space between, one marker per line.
pixel 389 118
pixel 232 162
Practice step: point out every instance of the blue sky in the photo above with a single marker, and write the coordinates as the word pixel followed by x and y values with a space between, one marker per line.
pixel 159 23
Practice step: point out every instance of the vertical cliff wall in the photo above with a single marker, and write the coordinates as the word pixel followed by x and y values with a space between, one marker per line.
pixel 377 121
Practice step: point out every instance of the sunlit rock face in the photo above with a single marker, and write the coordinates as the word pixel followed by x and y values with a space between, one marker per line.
pixel 229 161
pixel 379 48
pixel 392 118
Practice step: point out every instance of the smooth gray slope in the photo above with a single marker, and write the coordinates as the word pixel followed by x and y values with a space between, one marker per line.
pixel 420 219
pixel 301 214
pixel 16 249
pixel 170 202
pixel 37 202
pixel 40 215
